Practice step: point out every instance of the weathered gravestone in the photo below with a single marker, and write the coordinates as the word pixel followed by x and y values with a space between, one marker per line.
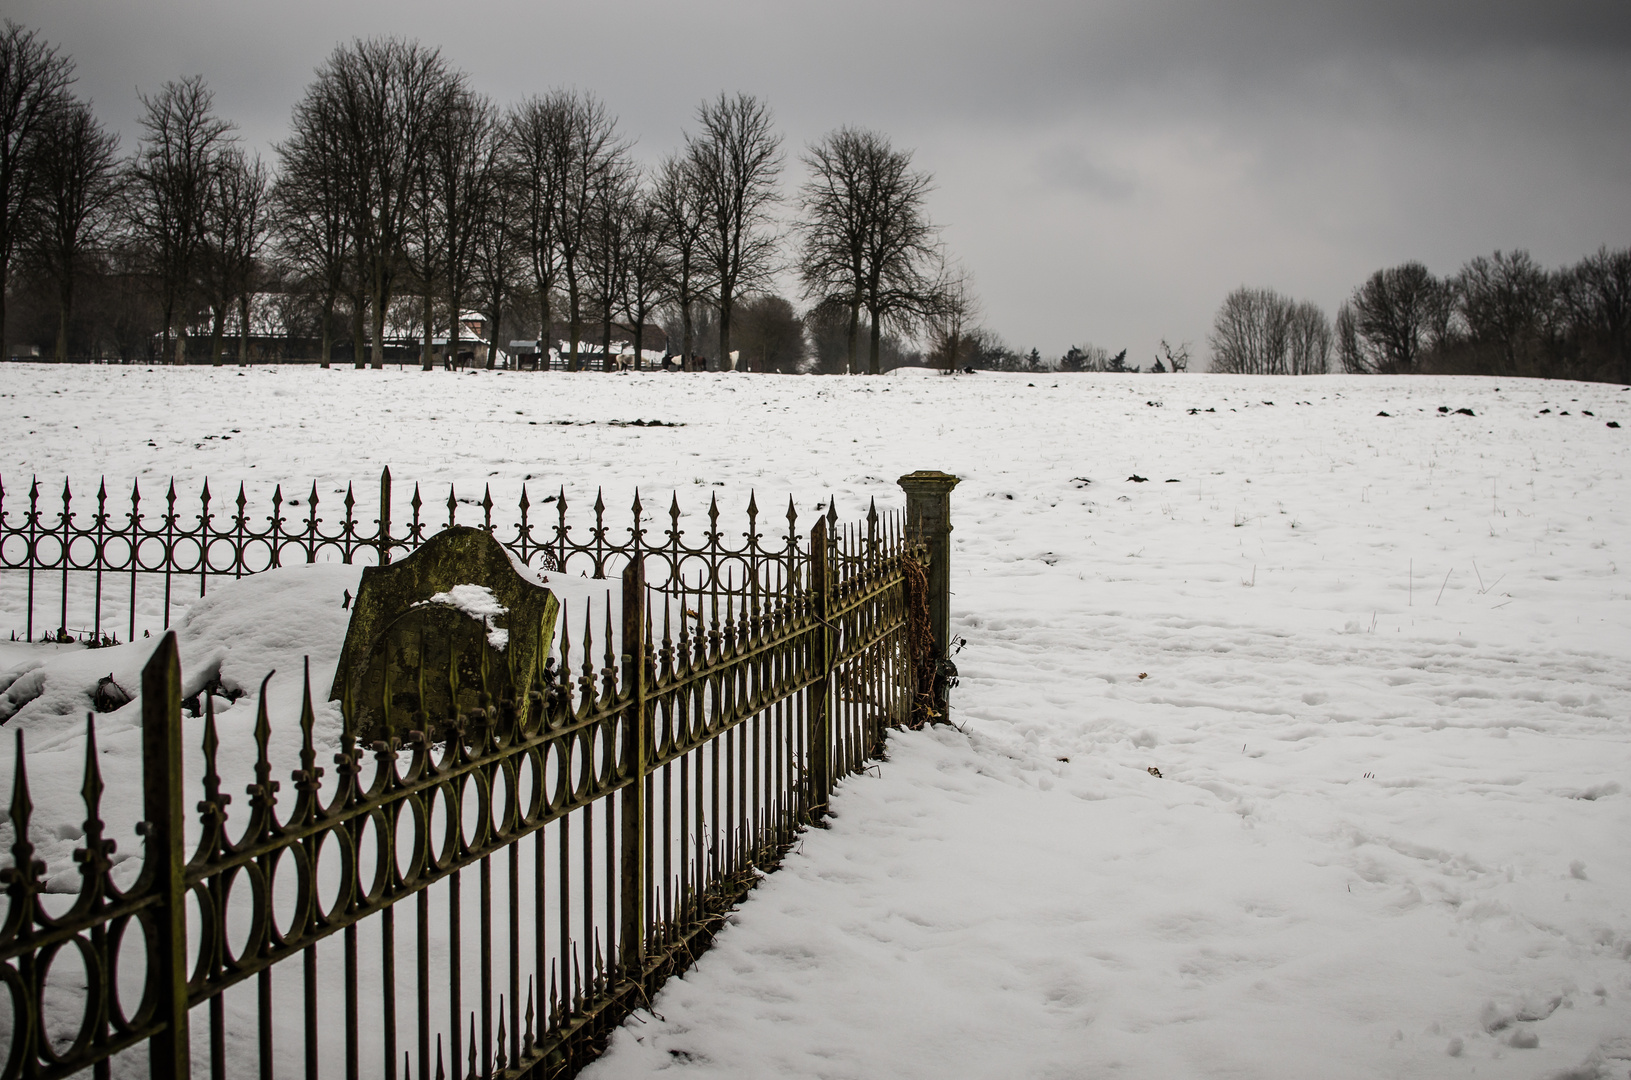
pixel 451 627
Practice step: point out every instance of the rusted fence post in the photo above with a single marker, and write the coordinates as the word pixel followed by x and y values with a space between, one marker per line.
pixel 169 1050
pixel 636 763
pixel 928 522
pixel 820 760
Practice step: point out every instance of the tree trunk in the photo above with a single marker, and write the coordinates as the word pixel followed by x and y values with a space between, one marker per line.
pixel 327 354
pixel 425 347
pixel 724 328
pixel 639 338
pixel 382 297
pixel 243 329
pixel 877 331
pixel 574 319
pixel 606 337
pixel 546 328
pixel 854 338
pixel 687 339
pixel 359 312
pixel 218 329
pixel 65 300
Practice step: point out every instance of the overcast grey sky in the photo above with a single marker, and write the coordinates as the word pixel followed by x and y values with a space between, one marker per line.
pixel 1106 169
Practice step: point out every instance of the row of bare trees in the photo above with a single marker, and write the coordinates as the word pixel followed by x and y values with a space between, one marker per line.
pixel 402 198
pixel 1499 315
pixel 1503 314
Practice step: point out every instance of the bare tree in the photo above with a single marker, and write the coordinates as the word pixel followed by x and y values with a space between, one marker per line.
pixel 34 80
pixel 500 253
pixel 954 313
pixel 312 214
pixel 464 166
pixel 536 141
pixel 386 100
pixel 1394 319
pixel 1506 303
pixel 1177 358
pixel 1260 332
pixel 835 210
pixel 1598 293
pixel 866 236
pixel 589 155
pixel 648 265
pixel 737 159
pixel 678 196
pixel 235 231
pixel 1308 340
pixel 173 179
pixel 77 186
pixel 605 255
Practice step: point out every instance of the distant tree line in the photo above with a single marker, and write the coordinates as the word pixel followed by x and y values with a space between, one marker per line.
pixel 402 199
pixel 1499 315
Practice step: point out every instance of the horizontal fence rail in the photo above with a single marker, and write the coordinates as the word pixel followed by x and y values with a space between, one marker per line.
pixel 494 901
pixel 77 568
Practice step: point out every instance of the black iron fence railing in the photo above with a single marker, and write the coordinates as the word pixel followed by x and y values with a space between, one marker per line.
pixel 490 904
pixel 87 569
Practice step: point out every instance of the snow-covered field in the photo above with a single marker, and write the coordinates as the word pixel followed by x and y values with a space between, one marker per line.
pixel 1380 662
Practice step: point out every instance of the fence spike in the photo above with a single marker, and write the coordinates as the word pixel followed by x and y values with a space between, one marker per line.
pixel 261 797
pixel 441 1073
pixel 566 657
pixel 526 1045
pixel 500 1063
pixel 487 507
pixel 93 856
pixel 350 500
pixel 452 506
pixel 587 679
pixel 21 878
pixel 473 1074
pixel 554 997
pixel 212 743
pixel 600 505
pixel 308 720
pixel 416 502
pixel 524 503
pixel 608 674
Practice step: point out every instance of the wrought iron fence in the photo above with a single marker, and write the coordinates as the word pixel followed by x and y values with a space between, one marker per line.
pixel 611 816
pixel 68 571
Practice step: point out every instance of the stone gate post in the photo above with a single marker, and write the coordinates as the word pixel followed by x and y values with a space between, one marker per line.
pixel 928 522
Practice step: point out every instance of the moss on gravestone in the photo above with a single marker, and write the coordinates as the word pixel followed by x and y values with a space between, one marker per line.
pixel 408 663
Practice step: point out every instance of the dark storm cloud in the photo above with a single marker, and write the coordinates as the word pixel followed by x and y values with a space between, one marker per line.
pixel 1107 169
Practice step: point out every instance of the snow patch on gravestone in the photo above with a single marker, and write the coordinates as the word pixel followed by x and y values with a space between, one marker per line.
pixel 478 602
